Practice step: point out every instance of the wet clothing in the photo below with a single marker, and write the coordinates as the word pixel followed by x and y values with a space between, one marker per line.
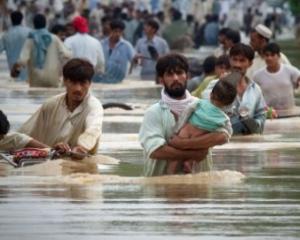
pixel 209 117
pixel 117 61
pixel 14 141
pixel 278 88
pixel 12 43
pixel 148 64
pixel 54 123
pixel 50 74
pixel 247 113
pixel 158 126
pixel 83 45
pixel 259 63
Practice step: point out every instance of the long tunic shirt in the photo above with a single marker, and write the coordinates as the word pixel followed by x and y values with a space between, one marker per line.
pixel 54 123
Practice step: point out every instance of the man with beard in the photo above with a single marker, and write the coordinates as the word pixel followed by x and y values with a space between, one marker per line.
pixel 247 114
pixel 71 120
pixel 161 118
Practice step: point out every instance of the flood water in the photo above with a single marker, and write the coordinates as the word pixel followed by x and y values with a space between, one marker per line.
pixel 264 205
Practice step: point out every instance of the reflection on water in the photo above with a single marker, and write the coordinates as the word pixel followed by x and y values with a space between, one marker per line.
pixel 265 205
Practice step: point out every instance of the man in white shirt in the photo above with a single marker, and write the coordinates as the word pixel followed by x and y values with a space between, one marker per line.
pixel 277 80
pixel 83 45
pixel 72 120
pixel 259 38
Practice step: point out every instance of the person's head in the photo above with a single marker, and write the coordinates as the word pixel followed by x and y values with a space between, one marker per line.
pixel 176 14
pixel 59 30
pixel 222 65
pixel 172 72
pixel 4 125
pixel 105 22
pixel 259 37
pixel 232 37
pixel 209 65
pixel 271 54
pixel 77 75
pixel 80 24
pixel 151 27
pixel 39 21
pixel 241 57
pixel 16 18
pixel 222 34
pixel 117 28
pixel 223 94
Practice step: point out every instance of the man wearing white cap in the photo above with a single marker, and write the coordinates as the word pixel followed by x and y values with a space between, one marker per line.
pixel 259 38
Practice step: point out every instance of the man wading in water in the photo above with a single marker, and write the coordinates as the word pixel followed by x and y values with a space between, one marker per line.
pixel 72 120
pixel 160 119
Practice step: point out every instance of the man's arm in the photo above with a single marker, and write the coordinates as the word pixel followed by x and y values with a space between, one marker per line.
pixel 197 143
pixel 36 144
pixel 170 153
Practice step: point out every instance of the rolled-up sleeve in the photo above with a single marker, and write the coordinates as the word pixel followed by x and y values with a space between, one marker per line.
pixel 14 141
pixel 93 127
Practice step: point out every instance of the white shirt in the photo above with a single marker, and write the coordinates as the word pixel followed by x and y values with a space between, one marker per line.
pixel 259 63
pixel 54 123
pixel 85 46
pixel 278 87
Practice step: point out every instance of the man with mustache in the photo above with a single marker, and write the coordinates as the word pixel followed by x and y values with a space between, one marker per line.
pixel 71 120
pixel 161 118
pixel 247 114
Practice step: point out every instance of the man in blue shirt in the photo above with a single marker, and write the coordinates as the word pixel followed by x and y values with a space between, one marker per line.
pixel 13 41
pixel 149 48
pixel 118 54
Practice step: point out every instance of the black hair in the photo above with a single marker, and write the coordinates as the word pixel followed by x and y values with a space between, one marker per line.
pixel 233 35
pixel 242 49
pixel 4 124
pixel 16 18
pixel 223 31
pixel 152 23
pixel 117 24
pixel 58 28
pixel 78 70
pixel 223 60
pixel 39 21
pixel 171 63
pixel 209 64
pixel 224 92
pixel 272 48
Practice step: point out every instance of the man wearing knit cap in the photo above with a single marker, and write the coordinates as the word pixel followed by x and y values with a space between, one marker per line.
pixel 259 38
pixel 83 45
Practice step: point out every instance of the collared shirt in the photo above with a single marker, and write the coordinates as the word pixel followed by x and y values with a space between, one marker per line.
pixel 54 123
pixel 85 46
pixel 117 60
pixel 148 65
pixel 158 126
pixel 14 141
pixel 252 103
pixel 259 63
pixel 50 74
pixel 12 43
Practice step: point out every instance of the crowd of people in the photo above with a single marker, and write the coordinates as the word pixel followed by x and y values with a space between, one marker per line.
pixel 239 84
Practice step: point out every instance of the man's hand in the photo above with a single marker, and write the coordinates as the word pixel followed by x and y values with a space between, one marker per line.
pixel 62 147
pixel 15 70
pixel 79 152
pixel 175 142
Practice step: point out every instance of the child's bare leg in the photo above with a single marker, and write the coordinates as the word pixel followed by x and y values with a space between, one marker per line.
pixel 172 167
pixel 187 166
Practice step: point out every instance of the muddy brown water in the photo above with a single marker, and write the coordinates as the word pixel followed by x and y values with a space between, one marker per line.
pixel 117 203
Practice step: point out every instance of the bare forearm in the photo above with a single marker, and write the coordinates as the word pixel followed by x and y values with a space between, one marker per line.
pixel 36 144
pixel 169 153
pixel 201 142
